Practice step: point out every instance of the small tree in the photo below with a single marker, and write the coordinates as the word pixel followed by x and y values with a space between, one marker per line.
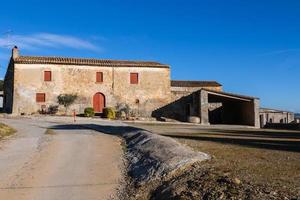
pixel 66 100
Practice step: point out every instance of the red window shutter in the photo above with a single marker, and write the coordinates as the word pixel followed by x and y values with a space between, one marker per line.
pixel 134 78
pixel 99 77
pixel 40 97
pixel 47 76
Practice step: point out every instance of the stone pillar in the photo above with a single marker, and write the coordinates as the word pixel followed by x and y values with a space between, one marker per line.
pixel 203 108
pixel 256 113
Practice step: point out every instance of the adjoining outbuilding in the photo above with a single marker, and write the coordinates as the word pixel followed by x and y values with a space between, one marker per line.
pixel 210 104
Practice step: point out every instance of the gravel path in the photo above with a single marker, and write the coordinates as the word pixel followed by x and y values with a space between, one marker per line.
pixel 70 163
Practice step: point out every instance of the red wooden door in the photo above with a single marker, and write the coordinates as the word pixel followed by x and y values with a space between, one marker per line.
pixel 98 102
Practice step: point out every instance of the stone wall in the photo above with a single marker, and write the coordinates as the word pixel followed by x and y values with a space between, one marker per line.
pixel 178 92
pixel 179 109
pixel 152 91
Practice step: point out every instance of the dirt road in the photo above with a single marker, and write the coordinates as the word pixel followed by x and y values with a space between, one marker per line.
pixel 70 162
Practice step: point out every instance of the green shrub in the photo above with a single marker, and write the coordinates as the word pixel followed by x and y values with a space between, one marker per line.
pixel 66 100
pixel 89 112
pixel 109 113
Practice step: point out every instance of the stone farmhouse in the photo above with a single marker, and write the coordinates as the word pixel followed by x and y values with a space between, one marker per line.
pixel 33 83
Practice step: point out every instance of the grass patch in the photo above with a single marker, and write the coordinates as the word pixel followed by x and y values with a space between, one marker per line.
pixel 49 132
pixel 6 130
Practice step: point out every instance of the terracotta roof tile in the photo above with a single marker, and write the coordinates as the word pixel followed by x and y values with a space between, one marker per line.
pixel 176 83
pixel 86 61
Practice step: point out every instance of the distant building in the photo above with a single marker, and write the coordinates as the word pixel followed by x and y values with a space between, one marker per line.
pixel 267 115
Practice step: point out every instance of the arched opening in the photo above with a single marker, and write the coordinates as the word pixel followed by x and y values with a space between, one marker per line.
pixel 98 102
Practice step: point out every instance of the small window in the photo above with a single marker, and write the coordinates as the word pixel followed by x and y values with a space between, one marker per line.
pixel 99 77
pixel 134 78
pixel 47 76
pixel 40 97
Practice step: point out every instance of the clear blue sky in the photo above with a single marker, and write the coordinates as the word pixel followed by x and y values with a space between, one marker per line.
pixel 251 47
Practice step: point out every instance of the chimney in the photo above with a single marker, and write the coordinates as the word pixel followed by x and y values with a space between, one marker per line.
pixel 15 52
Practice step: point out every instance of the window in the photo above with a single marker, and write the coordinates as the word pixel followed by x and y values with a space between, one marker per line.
pixel 40 97
pixel 99 77
pixel 134 78
pixel 47 76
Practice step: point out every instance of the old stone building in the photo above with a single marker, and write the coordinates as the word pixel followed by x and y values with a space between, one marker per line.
pixel 270 116
pixel 33 83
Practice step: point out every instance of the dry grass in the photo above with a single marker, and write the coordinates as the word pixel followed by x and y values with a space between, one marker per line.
pixel 262 157
pixel 5 130
pixel 49 132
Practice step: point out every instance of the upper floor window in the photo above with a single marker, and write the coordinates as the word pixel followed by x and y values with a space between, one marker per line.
pixel 134 78
pixel 99 77
pixel 47 76
pixel 40 97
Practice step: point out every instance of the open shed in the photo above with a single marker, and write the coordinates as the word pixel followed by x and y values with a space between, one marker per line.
pixel 226 108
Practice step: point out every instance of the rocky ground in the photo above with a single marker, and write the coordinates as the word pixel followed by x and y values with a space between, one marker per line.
pixel 246 164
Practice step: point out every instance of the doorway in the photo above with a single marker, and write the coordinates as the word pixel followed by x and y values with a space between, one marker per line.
pixel 98 102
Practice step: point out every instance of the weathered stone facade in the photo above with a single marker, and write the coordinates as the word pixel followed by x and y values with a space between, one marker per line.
pixel 151 92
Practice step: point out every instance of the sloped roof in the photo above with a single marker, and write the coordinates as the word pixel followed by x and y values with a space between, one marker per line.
pixel 86 61
pixel 230 94
pixel 180 83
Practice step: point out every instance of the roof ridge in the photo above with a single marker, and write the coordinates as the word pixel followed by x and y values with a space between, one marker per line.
pixel 80 58
pixel 193 83
pixel 86 61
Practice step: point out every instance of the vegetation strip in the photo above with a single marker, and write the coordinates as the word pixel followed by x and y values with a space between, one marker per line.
pixel 5 130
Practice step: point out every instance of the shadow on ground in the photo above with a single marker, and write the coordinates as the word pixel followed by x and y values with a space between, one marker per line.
pixel 111 130
pixel 274 140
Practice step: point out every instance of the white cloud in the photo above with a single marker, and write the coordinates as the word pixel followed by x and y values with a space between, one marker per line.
pixel 40 40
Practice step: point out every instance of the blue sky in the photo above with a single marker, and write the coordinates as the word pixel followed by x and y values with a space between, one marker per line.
pixel 251 47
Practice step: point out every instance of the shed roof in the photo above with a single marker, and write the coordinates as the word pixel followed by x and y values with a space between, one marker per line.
pixel 180 83
pixel 86 61
pixel 230 94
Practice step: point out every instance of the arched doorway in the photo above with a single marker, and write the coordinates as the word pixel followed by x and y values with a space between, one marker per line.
pixel 98 102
